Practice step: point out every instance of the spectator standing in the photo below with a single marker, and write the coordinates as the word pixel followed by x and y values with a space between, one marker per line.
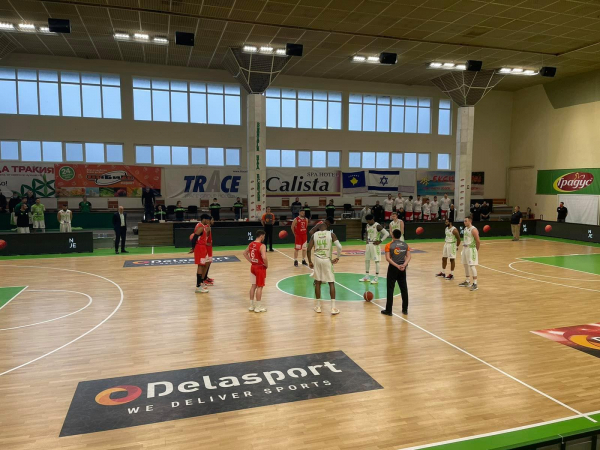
pixel 388 207
pixel 451 213
pixel 515 223
pixel 378 212
pixel 215 209
pixel 238 209
pixel 14 201
pixel 22 217
pixel 3 203
pixel 562 212
pixel 435 208
pixel 485 211
pixel 84 205
pixel 120 227
pixel 30 202
pixel 366 211
pixel 476 212
pixel 268 220
pixel 179 211
pixel 37 213
pixel 65 217
pixel 148 200
pixel 306 210
pixel 330 211
pixel 296 207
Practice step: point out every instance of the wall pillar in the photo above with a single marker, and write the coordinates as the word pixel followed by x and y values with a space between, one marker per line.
pixel 256 150
pixel 464 162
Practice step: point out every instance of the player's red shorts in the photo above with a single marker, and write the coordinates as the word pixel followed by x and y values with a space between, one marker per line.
pixel 409 216
pixel 388 215
pixel 416 215
pixel 433 216
pixel 300 241
pixel 426 217
pixel 258 274
pixel 201 255
pixel 444 214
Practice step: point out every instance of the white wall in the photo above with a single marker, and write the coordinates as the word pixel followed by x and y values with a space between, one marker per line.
pixel 492 122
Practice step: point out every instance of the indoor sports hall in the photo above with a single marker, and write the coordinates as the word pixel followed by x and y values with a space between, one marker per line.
pixel 400 200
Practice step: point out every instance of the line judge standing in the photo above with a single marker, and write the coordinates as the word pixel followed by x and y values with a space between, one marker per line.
pixel 563 212
pixel 120 227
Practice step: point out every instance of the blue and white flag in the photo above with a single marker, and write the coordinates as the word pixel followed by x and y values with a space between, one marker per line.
pixel 354 182
pixel 384 180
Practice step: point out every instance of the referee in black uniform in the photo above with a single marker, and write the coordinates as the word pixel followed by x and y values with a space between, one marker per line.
pixel 268 220
pixel 397 254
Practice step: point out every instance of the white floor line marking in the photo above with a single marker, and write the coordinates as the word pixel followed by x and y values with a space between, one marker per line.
pixel 551 276
pixel 496 433
pixel 579 414
pixel 57 318
pixel 77 338
pixel 152 250
pixel 14 296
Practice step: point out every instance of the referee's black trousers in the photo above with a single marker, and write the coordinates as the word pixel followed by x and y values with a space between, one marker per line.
pixel 269 236
pixel 394 276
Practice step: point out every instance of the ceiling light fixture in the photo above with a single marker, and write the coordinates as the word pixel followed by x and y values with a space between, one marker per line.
pixel 45 30
pixel 435 65
pixel 517 71
pixel 26 27
pixel 266 49
pixel 461 67
pixel 373 58
pixel 141 36
pixel 123 36
pixel 448 65
pixel 6 26
pixel 160 40
pixel 249 49
pixel 357 58
pixel 280 51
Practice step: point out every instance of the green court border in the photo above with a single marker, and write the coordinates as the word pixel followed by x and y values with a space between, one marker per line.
pixel 9 293
pixel 580 263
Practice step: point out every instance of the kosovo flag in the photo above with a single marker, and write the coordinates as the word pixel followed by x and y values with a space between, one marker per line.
pixel 354 182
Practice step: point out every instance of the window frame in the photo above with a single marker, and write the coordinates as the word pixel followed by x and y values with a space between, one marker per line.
pixel 296 99
pixel 449 155
pixel 63 148
pixel 449 109
pixel 190 156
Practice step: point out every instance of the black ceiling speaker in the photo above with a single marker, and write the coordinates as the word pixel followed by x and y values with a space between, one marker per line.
pixel 294 49
pixel 59 26
pixel 388 58
pixel 474 66
pixel 548 71
pixel 183 38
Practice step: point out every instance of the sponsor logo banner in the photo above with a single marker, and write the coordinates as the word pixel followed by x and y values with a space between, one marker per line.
pixel 124 402
pixel 585 338
pixel 206 183
pixel 441 182
pixel 20 178
pixel 568 181
pixel 290 182
pixel 174 261
pixel 104 180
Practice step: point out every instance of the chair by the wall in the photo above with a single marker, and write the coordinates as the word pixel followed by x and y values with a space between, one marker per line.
pixel 192 210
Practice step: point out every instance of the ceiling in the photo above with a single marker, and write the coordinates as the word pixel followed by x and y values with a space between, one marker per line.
pixel 516 33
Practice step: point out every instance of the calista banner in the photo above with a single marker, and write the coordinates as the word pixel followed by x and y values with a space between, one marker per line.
pixel 568 181
pixel 123 402
pixel 292 182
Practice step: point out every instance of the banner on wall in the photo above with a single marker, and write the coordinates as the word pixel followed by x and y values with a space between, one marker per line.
pixel 354 182
pixel 568 181
pixel 442 182
pixel 20 178
pixel 206 183
pixel 105 180
pixel 290 182
pixel 386 181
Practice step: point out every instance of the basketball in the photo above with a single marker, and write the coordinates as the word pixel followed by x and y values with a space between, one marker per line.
pixel 486 228
pixel 548 228
pixel 2 244
pixel 192 236
pixel 368 296
pixel 420 230
pixel 283 234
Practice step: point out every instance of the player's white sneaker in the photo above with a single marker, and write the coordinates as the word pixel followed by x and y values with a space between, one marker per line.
pixel 259 309
pixel 474 287
pixel 201 290
pixel 464 284
pixel 317 309
pixel 251 308
pixel 334 311
pixel 375 280
pixel 365 278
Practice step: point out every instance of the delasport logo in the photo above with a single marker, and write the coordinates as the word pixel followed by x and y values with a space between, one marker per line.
pixel 102 405
pixel 573 181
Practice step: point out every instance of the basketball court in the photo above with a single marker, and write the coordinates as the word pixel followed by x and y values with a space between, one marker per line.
pixel 459 367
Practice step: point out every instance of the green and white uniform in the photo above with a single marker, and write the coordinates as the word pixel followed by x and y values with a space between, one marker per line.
pixel 64 217
pixel 469 253
pixel 449 244
pixel 323 251
pixel 372 251
pixel 395 225
pixel 37 213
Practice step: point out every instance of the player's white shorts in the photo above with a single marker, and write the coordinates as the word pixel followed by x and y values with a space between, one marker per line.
pixel 324 270
pixel 469 256
pixel 449 251
pixel 39 224
pixel 22 230
pixel 65 227
pixel 373 252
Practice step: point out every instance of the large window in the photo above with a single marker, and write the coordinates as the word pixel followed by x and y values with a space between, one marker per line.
pixel 389 114
pixel 445 117
pixel 51 151
pixel 443 161
pixel 303 158
pixel 165 155
pixel 182 101
pixel 291 108
pixel 388 160
pixel 52 93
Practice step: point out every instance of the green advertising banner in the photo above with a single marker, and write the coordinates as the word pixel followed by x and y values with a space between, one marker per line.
pixel 568 181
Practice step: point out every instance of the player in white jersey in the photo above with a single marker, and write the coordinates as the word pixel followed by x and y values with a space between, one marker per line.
pixel 417 208
pixel 451 243
pixel 388 207
pixel 399 202
pixel 445 206
pixel 65 217
pixel 408 209
pixel 470 253
pixel 322 242
pixel 435 208
pixel 376 234
pixel 426 210
pixel 397 224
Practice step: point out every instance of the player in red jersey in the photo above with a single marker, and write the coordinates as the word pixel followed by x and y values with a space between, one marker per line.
pixel 202 230
pixel 209 248
pixel 300 231
pixel 256 254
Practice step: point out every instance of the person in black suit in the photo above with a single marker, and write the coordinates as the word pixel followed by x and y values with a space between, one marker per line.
pixel 120 227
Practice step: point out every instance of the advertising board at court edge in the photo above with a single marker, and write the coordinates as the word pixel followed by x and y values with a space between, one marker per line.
pixel 568 181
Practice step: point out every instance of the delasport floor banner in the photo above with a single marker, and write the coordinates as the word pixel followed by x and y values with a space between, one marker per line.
pixel 585 338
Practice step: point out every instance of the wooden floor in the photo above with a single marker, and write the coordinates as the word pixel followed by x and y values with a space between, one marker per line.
pixel 148 319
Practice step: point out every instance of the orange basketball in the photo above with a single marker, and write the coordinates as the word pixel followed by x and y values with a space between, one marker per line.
pixel 2 244
pixel 420 230
pixel 368 296
pixel 548 228
pixel 283 234
pixel 486 228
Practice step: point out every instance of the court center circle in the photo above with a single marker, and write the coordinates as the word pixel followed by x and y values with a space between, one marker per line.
pixel 348 287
